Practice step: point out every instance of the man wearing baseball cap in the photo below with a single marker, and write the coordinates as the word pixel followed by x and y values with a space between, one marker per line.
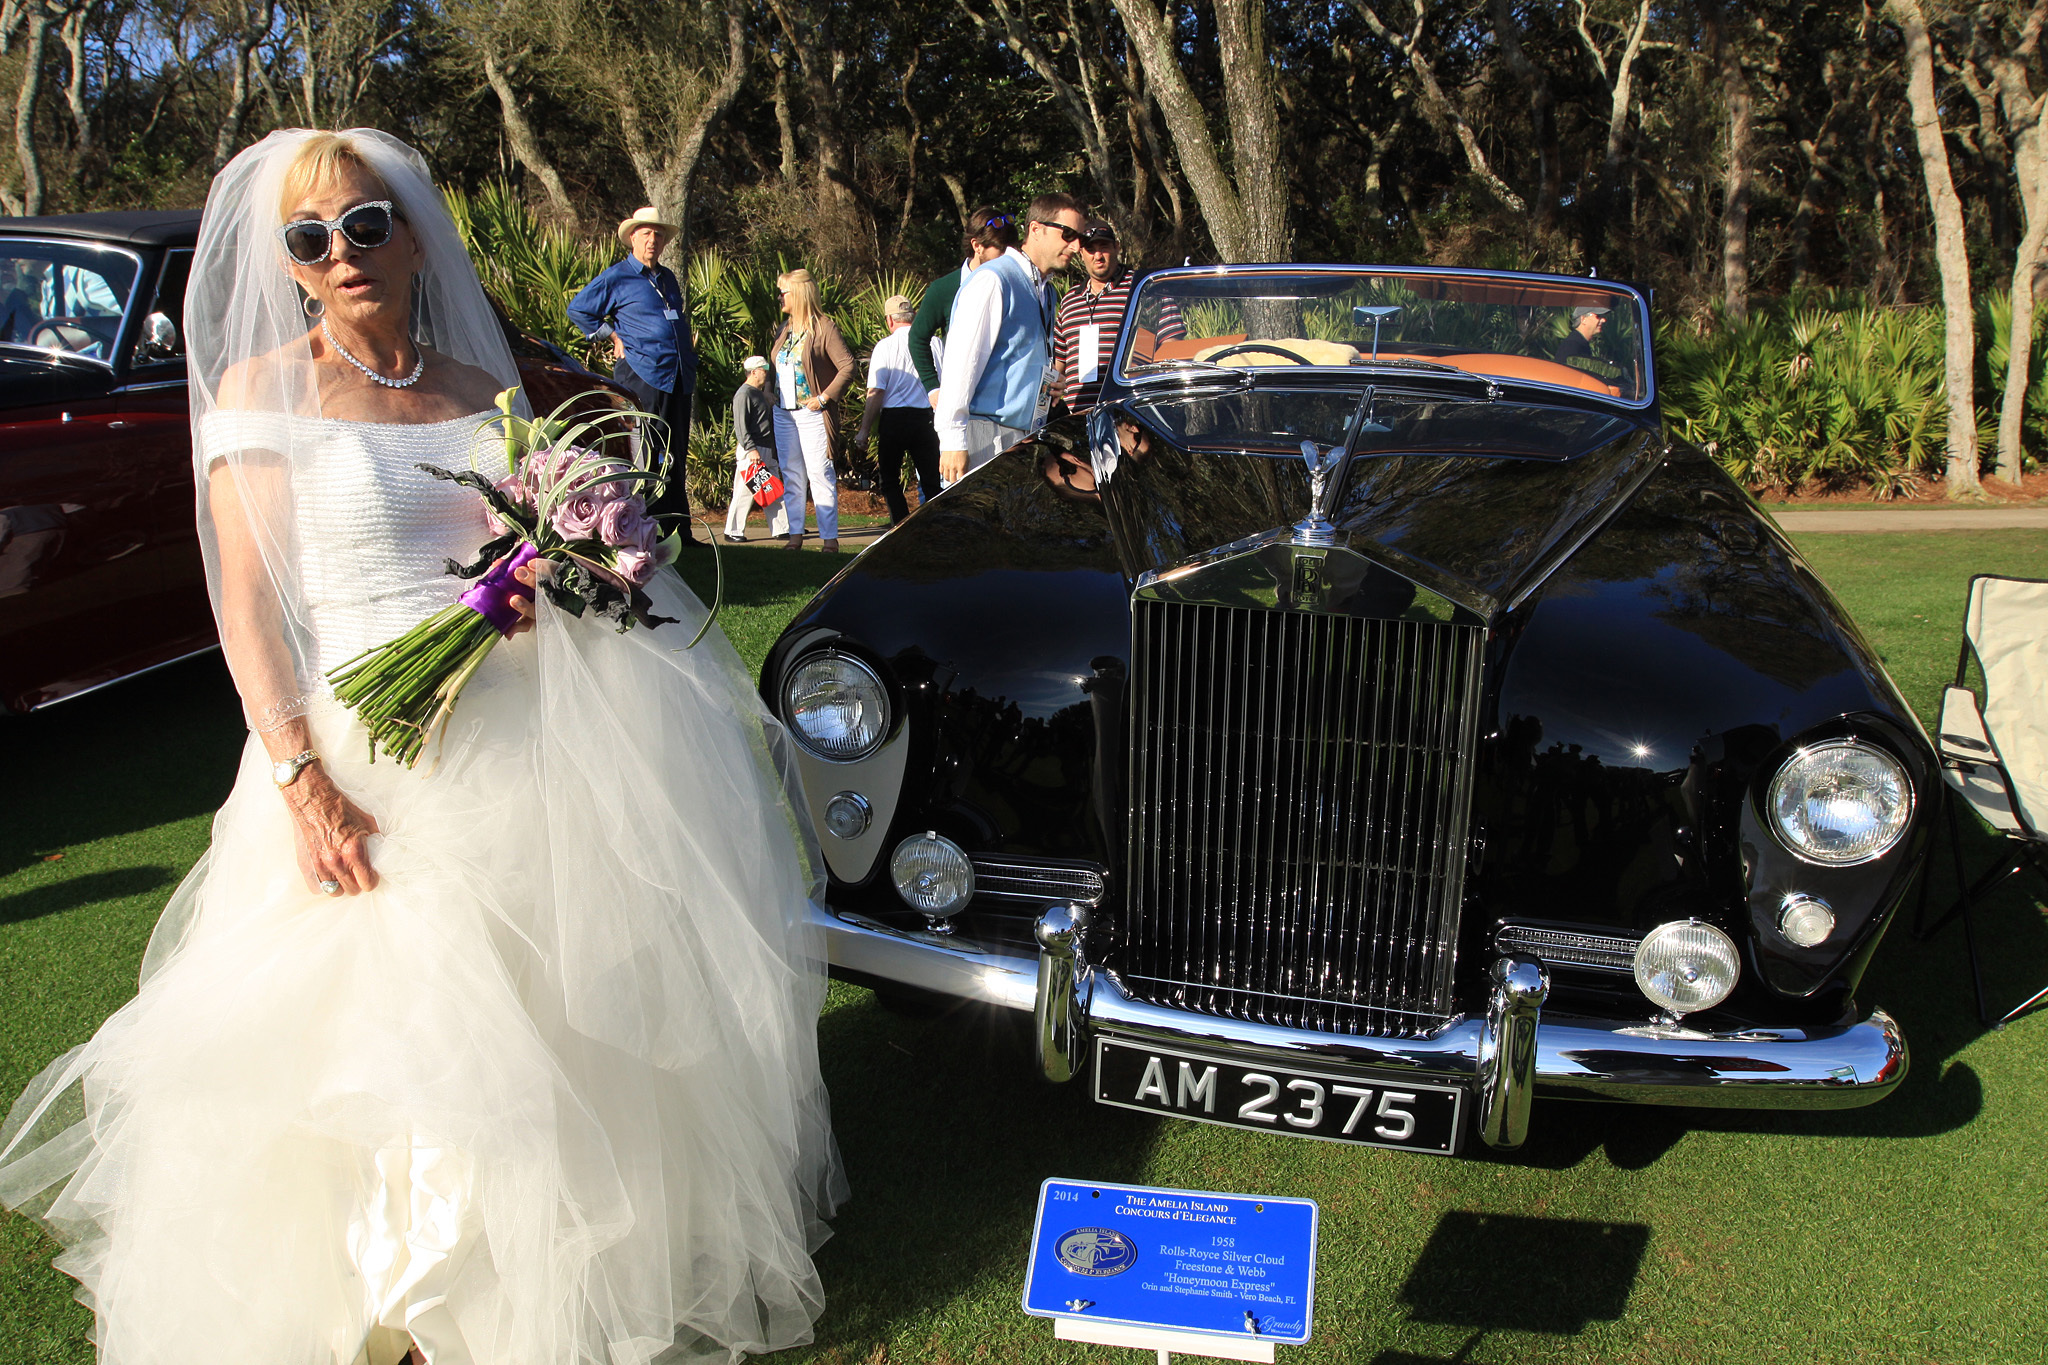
pixel 1091 317
pixel 1586 322
pixel 897 399
pixel 637 305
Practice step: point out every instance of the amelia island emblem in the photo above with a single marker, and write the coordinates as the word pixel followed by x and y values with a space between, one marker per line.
pixel 1096 1251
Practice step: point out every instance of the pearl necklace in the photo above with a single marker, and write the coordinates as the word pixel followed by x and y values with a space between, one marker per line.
pixel 419 362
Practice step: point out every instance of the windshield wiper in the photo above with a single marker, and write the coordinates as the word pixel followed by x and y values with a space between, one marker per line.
pixel 1491 386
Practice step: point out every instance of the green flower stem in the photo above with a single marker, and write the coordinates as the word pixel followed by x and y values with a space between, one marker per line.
pixel 403 690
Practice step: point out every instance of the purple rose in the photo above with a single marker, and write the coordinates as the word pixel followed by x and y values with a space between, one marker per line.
pixel 545 466
pixel 635 539
pixel 624 523
pixel 576 516
pixel 636 566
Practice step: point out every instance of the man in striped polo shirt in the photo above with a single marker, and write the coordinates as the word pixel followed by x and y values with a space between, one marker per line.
pixel 1091 318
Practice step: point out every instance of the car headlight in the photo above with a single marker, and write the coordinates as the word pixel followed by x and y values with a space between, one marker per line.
pixel 932 874
pixel 836 706
pixel 1685 966
pixel 1840 803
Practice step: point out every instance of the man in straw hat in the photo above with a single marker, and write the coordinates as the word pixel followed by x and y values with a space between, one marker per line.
pixel 637 305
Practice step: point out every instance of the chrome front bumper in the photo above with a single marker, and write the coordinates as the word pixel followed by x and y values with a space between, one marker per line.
pixel 1515 1054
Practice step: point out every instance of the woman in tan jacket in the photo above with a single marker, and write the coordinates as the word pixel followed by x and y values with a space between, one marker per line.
pixel 812 369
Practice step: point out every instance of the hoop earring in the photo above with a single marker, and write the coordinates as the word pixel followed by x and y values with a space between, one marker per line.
pixel 314 308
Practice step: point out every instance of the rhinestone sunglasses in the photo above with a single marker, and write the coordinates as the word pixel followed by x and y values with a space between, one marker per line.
pixel 367 226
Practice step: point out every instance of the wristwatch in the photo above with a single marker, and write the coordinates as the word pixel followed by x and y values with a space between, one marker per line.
pixel 286 771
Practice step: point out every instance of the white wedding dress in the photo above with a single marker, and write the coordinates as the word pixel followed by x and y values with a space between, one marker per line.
pixel 550 1092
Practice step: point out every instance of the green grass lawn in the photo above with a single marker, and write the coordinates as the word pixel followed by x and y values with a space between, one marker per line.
pixel 1913 1231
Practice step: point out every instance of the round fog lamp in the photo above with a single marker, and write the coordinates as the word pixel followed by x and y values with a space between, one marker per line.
pixel 1841 803
pixel 933 875
pixel 847 815
pixel 1806 920
pixel 1685 966
pixel 836 706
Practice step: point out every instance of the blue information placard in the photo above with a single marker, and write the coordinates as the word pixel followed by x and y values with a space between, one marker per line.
pixel 1184 1260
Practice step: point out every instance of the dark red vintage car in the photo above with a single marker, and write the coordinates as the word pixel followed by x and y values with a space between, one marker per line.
pixel 99 561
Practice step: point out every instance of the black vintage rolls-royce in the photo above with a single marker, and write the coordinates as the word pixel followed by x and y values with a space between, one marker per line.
pixel 1366 720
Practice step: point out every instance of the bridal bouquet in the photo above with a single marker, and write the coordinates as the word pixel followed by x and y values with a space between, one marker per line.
pixel 568 500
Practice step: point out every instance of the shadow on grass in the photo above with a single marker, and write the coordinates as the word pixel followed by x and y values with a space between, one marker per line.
pixel 58 897
pixel 130 758
pixel 947 1133
pixel 1499 1273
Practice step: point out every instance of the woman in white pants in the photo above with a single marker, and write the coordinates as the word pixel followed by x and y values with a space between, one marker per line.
pixel 812 369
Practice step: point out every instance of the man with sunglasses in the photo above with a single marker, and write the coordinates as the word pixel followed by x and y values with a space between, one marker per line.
pixel 1091 318
pixel 996 380
pixel 637 305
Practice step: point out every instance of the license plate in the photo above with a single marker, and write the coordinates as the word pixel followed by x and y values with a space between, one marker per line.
pixel 1378 1111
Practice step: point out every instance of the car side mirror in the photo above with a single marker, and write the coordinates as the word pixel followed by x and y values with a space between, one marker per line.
pixel 160 339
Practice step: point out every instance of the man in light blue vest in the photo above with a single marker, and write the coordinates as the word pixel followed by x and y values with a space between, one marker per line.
pixel 996 380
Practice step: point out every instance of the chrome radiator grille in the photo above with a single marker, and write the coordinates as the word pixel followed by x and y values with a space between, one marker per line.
pixel 1300 787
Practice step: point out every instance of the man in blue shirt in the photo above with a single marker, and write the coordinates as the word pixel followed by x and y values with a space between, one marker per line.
pixel 638 306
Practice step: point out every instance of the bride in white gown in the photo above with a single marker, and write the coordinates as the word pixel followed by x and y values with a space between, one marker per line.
pixel 509 1058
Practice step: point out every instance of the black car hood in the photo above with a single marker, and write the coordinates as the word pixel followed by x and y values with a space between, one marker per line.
pixel 30 382
pixel 1477 501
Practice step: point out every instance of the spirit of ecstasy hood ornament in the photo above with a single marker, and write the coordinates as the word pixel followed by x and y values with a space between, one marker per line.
pixel 1315 528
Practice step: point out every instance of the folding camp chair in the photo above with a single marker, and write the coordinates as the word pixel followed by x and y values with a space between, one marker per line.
pixel 1995 757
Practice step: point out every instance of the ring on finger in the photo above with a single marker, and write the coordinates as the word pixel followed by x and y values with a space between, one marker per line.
pixel 330 888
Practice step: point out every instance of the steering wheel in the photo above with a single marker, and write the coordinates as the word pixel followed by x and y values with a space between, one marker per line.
pixel 1262 348
pixel 50 334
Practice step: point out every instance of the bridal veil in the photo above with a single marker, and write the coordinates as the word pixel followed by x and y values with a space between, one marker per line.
pixel 550 1093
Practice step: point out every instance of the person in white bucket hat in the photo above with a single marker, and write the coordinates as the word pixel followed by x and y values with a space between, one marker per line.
pixel 753 429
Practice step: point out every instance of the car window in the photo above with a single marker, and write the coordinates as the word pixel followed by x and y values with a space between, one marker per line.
pixel 1557 332
pixel 63 296
pixel 159 347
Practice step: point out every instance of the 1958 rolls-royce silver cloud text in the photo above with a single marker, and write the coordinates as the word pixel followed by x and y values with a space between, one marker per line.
pixel 1367 720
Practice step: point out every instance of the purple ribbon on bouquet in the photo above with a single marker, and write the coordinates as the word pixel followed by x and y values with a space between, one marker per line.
pixel 492 596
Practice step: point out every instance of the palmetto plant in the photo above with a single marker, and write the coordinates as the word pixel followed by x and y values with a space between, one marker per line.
pixel 532 268
pixel 1821 388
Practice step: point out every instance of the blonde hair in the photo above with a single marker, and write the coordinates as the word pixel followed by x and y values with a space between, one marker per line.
pixel 322 159
pixel 805 304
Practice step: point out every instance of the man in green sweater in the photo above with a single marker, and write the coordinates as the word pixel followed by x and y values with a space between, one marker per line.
pixel 990 232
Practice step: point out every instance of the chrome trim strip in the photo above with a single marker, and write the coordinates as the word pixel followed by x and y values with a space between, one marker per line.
pixel 1569 947
pixel 1839 1067
pixel 154 384
pixel 1046 883
pixel 1539 573
pixel 125 677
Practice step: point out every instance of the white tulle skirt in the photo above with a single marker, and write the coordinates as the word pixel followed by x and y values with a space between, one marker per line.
pixel 549 1094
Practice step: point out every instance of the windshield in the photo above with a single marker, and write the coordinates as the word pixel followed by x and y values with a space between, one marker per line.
pixel 66 297
pixel 1563 333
